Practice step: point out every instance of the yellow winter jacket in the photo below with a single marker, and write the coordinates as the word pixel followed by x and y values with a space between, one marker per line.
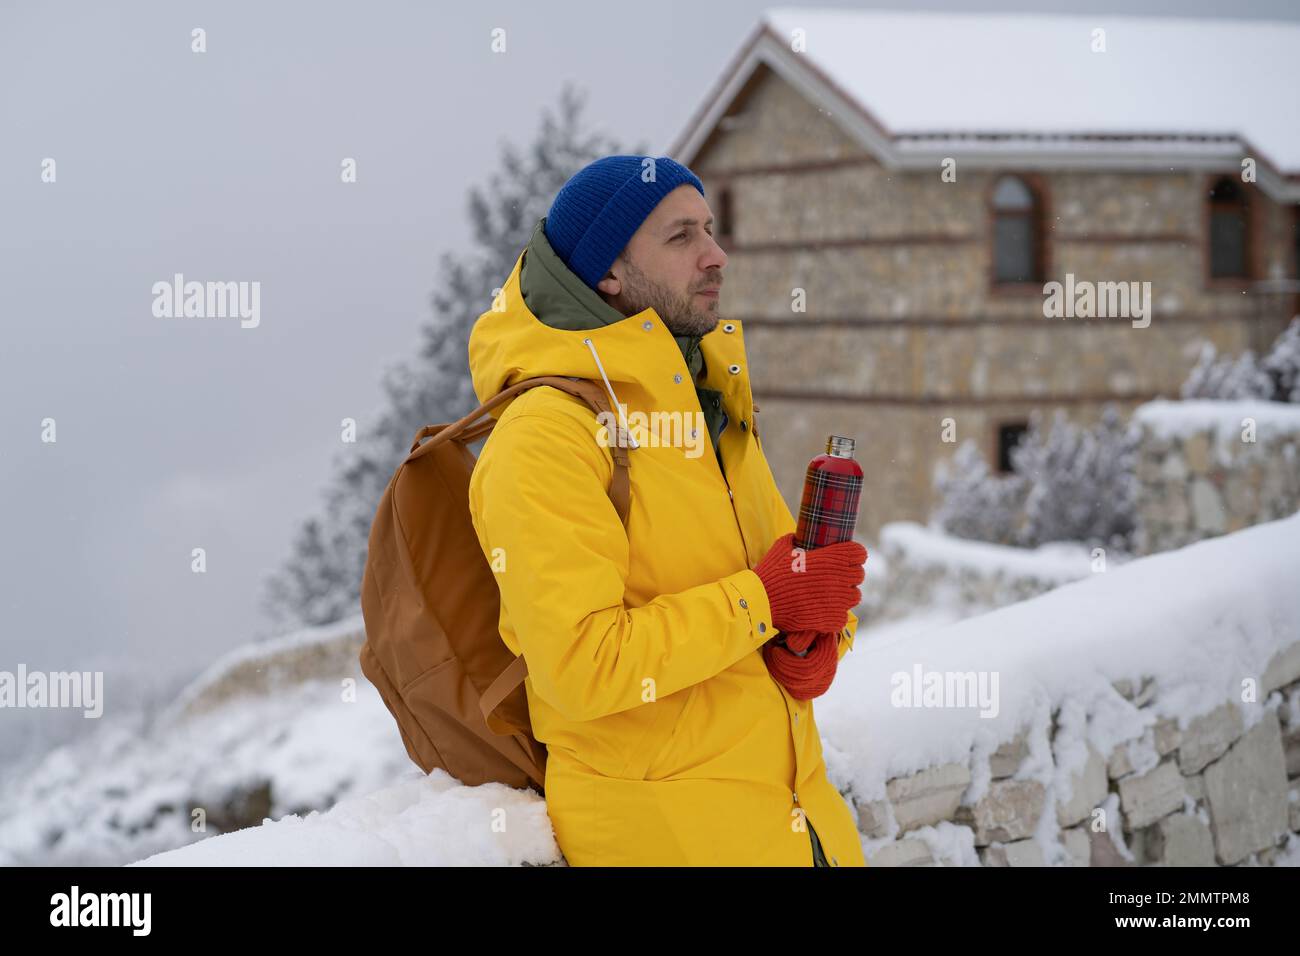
pixel 669 743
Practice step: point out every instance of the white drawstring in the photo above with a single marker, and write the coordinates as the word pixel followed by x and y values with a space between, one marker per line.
pixel 610 388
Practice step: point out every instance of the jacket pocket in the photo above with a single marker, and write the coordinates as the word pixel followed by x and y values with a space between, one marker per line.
pixel 648 762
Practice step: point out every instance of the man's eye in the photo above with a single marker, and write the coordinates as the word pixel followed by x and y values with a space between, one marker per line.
pixel 680 235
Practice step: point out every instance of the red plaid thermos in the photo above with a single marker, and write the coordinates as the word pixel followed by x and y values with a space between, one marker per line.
pixel 831 489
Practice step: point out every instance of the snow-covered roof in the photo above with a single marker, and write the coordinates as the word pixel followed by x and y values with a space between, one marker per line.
pixel 913 86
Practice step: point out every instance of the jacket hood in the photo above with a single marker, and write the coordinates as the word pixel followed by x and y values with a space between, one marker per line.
pixel 540 322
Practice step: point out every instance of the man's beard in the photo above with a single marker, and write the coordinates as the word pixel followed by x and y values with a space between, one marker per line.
pixel 640 292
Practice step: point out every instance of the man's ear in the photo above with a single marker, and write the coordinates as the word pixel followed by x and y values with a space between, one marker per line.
pixel 610 285
pixel 613 284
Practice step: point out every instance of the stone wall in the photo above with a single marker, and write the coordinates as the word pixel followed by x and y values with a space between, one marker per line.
pixel 1148 715
pixel 1214 793
pixel 1203 473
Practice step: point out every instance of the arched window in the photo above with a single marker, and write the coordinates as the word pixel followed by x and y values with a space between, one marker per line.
pixel 1229 226
pixel 1017 232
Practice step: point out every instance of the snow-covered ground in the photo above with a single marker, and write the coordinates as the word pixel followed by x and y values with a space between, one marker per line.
pixel 418 821
pixel 126 791
pixel 1199 620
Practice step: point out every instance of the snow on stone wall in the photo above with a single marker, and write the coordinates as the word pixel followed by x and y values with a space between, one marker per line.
pixel 1209 467
pixel 1147 715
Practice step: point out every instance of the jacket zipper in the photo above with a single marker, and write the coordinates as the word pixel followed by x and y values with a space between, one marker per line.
pixel 731 495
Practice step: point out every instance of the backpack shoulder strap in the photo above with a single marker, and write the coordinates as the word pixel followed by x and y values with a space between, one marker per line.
pixel 479 423
pixel 620 485
pixel 475 425
pixel 470 429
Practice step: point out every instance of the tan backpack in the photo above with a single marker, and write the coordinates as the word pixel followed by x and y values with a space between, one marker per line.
pixel 431 607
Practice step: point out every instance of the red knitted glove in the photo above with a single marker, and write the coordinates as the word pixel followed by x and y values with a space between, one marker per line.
pixel 813 590
pixel 808 676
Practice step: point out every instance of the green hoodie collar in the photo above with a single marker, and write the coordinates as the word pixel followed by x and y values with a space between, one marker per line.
pixel 558 298
pixel 694 355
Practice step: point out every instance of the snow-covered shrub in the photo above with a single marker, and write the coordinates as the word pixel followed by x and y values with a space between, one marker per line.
pixel 1282 364
pixel 1082 481
pixel 1276 377
pixel 1226 378
pixel 974 503
pixel 1067 484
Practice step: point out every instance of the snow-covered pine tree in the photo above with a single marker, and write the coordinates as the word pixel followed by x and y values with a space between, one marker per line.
pixel 320 582
pixel 1282 364
pixel 973 502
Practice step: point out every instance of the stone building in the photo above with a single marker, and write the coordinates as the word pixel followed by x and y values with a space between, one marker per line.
pixel 895 191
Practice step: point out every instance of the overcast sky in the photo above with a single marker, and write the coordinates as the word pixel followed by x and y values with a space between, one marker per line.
pixel 184 433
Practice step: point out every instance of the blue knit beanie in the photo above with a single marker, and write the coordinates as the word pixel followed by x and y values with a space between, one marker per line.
pixel 596 212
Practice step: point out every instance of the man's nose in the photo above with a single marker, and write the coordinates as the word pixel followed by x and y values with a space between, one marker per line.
pixel 714 257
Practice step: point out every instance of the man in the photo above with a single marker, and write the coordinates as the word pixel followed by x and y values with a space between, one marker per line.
pixel 669 741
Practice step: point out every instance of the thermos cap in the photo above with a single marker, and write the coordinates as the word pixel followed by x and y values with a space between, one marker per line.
pixel 840 447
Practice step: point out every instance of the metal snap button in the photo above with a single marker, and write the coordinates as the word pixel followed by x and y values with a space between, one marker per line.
pixel 647 325
pixel 677 379
pixel 729 327
pixel 744 603
pixel 734 369
pixel 744 425
pixel 762 628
